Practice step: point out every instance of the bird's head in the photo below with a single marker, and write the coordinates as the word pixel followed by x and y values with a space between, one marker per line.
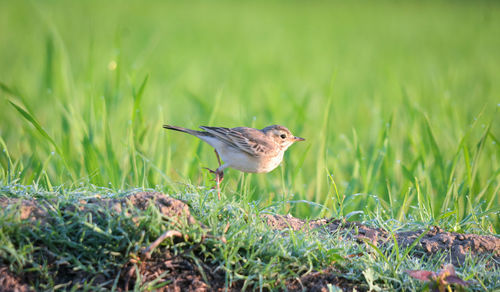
pixel 281 136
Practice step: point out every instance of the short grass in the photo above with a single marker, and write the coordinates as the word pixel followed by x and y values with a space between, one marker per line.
pixel 251 255
pixel 398 102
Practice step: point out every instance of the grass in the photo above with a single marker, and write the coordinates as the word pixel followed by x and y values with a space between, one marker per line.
pixel 252 255
pixel 398 102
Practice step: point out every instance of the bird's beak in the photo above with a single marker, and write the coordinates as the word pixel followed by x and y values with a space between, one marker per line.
pixel 296 139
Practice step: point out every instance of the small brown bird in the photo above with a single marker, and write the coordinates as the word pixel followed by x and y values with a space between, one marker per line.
pixel 244 149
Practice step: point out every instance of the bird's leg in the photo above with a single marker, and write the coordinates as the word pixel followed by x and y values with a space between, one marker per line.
pixel 218 158
pixel 219 174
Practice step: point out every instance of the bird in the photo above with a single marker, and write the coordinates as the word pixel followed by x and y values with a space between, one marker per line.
pixel 245 149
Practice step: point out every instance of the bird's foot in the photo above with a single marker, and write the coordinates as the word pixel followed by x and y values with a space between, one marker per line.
pixel 210 170
pixel 219 176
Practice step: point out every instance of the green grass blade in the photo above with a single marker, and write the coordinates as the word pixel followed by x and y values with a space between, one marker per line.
pixel 30 118
pixel 434 147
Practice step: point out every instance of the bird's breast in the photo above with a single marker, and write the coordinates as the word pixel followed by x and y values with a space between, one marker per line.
pixel 242 161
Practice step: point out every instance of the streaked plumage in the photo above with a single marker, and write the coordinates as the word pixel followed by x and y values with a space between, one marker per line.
pixel 245 149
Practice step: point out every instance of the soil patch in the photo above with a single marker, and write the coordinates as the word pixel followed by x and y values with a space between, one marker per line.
pixel 177 273
pixel 456 245
pixel 11 282
pixel 182 273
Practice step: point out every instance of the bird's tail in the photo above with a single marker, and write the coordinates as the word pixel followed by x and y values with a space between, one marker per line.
pixel 181 129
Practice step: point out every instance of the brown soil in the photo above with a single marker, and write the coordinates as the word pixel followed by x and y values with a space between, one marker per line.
pixel 184 274
pixel 456 245
pixel 318 281
pixel 11 282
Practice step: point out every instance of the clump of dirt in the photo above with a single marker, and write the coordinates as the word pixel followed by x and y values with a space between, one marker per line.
pixel 457 245
pixel 279 222
pixel 33 210
pixel 171 208
pixel 178 274
pixel 319 282
pixel 25 209
pixel 183 273
pixel 11 282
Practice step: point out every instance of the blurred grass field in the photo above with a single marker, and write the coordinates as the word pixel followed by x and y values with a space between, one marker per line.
pixel 398 101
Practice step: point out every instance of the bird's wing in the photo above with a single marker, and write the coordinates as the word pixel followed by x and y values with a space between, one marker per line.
pixel 250 140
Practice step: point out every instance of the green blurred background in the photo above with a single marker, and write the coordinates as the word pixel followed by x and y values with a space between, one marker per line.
pixel 398 100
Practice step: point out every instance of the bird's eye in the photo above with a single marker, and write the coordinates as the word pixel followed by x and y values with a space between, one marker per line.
pixel 283 136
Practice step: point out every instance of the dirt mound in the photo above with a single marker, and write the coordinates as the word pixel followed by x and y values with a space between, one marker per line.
pixel 38 210
pixel 456 245
pixel 168 207
pixel 10 282
pixel 320 282
pixel 26 209
pixel 183 273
